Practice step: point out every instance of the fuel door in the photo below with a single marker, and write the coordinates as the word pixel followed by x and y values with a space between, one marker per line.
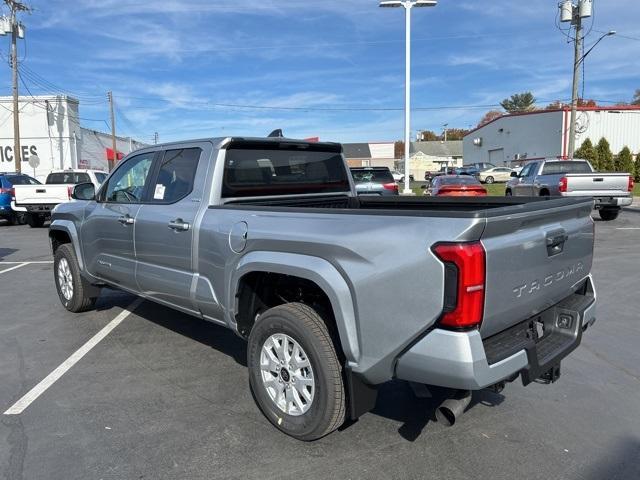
pixel 238 237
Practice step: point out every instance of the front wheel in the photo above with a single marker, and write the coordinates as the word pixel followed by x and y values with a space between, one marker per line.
pixel 608 214
pixel 72 289
pixel 294 372
pixel 489 180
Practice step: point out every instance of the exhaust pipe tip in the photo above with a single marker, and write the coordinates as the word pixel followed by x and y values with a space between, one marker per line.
pixel 452 409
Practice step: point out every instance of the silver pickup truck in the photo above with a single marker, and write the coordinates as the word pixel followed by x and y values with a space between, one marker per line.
pixel 574 178
pixel 335 293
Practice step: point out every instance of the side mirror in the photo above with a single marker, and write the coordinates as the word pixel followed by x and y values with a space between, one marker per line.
pixel 423 186
pixel 514 174
pixel 84 191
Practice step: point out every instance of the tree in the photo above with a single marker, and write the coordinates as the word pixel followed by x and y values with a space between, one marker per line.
pixel 637 168
pixel 398 149
pixel 605 157
pixel 557 105
pixel 587 152
pixel 582 102
pixel 489 116
pixel 519 102
pixel 456 133
pixel 624 161
pixel 428 136
pixel 636 98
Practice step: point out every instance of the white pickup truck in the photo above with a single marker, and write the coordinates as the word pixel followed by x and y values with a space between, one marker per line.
pixel 574 178
pixel 37 201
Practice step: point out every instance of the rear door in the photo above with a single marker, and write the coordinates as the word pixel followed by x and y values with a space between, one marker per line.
pixel 107 231
pixel 165 224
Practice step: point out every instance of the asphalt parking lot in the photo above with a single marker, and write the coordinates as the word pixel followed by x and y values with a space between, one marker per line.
pixel 166 396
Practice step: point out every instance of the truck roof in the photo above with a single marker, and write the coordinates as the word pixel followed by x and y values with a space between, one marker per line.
pixel 222 142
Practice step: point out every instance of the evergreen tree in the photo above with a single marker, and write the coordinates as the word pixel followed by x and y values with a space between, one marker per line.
pixel 637 168
pixel 624 161
pixel 605 157
pixel 587 152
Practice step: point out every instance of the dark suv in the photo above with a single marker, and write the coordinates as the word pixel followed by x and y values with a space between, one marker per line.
pixel 374 181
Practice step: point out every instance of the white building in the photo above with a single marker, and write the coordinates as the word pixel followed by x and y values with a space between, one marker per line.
pixel 432 155
pixel 50 128
pixel 518 137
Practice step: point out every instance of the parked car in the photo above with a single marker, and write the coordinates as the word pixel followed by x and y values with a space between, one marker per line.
pixel 456 186
pixel 574 178
pixel 481 166
pixel 374 181
pixel 470 171
pixel 429 175
pixel 268 237
pixel 37 201
pixel 7 182
pixel 398 177
pixel 495 174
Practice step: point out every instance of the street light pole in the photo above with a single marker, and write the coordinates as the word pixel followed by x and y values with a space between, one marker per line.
pixel 408 5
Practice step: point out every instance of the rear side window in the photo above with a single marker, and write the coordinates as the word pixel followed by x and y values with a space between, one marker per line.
pixel 21 180
pixel 565 166
pixel 67 177
pixel 176 174
pixel 372 176
pixel 280 171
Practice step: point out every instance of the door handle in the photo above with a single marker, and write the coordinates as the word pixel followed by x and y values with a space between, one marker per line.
pixel 179 225
pixel 126 220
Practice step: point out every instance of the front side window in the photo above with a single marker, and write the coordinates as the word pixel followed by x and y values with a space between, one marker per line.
pixel 101 177
pixel 525 171
pixel 176 175
pixel 128 183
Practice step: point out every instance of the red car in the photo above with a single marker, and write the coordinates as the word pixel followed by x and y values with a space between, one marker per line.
pixel 456 186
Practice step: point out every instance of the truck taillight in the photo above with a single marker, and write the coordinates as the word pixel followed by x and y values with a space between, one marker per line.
pixel 466 262
pixel 631 184
pixel 390 186
pixel 562 185
pixel 70 191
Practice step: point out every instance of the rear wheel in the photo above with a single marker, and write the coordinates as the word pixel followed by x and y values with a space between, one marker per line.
pixel 489 179
pixel 508 193
pixel 20 218
pixel 72 289
pixel 294 372
pixel 34 220
pixel 608 214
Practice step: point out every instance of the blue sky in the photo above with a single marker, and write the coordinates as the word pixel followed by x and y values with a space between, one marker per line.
pixel 173 64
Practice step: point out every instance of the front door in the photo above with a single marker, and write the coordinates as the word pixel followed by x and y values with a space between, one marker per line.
pixel 107 232
pixel 524 187
pixel 165 225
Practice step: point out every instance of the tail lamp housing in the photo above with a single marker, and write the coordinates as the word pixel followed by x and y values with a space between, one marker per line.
pixel 562 185
pixel 465 276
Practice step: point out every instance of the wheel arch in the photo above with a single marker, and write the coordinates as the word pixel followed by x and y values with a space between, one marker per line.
pixel 315 270
pixel 64 231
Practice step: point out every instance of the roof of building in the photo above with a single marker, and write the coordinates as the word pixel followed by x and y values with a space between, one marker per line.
pixel 356 150
pixel 450 148
pixel 612 108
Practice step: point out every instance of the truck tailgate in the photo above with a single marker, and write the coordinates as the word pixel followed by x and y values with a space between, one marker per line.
pixel 595 184
pixel 41 194
pixel 534 260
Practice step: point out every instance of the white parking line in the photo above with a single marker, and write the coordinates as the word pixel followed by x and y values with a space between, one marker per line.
pixel 26 262
pixel 13 268
pixel 18 407
pixel 627 228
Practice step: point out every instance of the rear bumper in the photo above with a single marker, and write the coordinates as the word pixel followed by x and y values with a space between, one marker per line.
pixel 613 201
pixel 39 208
pixel 464 360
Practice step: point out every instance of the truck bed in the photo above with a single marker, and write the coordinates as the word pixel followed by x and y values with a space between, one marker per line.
pixel 466 207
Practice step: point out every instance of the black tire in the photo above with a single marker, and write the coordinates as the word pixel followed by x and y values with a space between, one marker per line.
pixel 544 193
pixel 489 180
pixel 20 218
pixel 35 221
pixel 608 214
pixel 508 193
pixel 11 220
pixel 79 300
pixel 305 326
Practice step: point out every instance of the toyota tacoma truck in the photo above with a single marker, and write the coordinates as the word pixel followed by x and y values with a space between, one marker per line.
pixel 574 178
pixel 335 293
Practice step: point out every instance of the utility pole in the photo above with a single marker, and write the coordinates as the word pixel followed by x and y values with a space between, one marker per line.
pixel 576 80
pixel 113 131
pixel 155 138
pixel 445 131
pixel 16 29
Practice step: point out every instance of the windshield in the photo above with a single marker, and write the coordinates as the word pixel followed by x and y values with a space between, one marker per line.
pixel 22 180
pixel 462 180
pixel 372 176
